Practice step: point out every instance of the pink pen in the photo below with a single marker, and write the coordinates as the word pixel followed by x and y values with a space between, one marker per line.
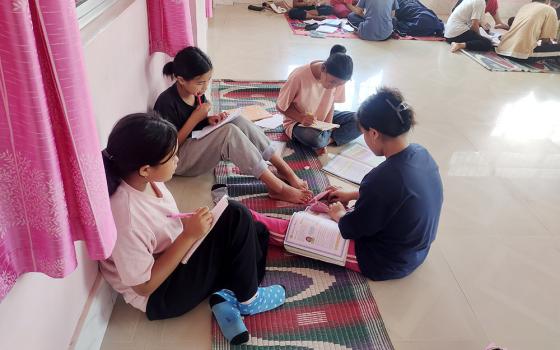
pixel 199 100
pixel 180 215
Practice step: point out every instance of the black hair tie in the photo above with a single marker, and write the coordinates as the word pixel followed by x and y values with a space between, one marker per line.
pixel 107 154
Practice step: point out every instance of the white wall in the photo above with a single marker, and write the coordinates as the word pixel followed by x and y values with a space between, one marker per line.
pixel 42 313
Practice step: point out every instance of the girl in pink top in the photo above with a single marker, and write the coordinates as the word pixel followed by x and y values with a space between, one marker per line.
pixel 145 265
pixel 309 95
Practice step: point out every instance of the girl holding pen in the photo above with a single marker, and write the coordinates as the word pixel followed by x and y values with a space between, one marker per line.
pixel 240 141
pixel 145 266
pixel 309 95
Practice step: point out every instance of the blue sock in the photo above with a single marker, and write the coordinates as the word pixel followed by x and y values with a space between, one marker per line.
pixel 229 319
pixel 268 298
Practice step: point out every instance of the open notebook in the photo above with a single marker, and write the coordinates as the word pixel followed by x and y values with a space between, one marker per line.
pixel 353 163
pixel 316 236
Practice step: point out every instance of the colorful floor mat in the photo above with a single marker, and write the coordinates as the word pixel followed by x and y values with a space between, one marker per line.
pixel 327 307
pixel 495 63
pixel 245 188
pixel 298 28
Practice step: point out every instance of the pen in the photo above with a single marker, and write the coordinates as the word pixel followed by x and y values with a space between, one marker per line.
pixel 180 215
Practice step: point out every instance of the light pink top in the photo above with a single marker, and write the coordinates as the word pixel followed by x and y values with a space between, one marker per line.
pixel 308 95
pixel 143 230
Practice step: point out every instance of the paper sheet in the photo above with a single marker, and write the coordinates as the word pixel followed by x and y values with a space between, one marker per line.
pixel 217 211
pixel 326 29
pixel 198 134
pixel 255 112
pixel 335 22
pixel 271 123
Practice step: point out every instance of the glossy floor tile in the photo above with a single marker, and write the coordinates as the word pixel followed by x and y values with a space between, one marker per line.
pixel 492 275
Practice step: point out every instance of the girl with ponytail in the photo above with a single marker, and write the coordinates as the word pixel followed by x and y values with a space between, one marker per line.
pixel 309 95
pixel 240 141
pixel 152 240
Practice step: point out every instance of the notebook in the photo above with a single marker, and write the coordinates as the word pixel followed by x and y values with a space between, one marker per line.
pixel 326 29
pixel 353 163
pixel 320 125
pixel 198 134
pixel 316 236
pixel 217 211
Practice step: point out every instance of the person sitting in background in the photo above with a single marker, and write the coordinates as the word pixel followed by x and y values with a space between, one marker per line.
pixel 341 9
pixel 413 18
pixel 310 9
pixel 462 29
pixel 492 9
pixel 373 18
pixel 535 21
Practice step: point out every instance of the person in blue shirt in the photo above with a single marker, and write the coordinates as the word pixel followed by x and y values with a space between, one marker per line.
pixel 398 205
pixel 373 18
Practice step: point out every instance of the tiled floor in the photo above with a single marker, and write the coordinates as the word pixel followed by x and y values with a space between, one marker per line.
pixel 492 274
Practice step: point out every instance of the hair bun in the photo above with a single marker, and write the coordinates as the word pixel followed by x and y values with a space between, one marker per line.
pixel 338 49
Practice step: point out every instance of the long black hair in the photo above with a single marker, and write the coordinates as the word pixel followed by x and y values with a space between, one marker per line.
pixel 136 140
pixel 189 63
pixel 387 112
pixel 339 64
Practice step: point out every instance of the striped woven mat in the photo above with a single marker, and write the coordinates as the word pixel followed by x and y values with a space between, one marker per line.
pixel 327 307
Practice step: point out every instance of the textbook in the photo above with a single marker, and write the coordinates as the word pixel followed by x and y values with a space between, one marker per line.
pixel 353 163
pixel 217 211
pixel 316 236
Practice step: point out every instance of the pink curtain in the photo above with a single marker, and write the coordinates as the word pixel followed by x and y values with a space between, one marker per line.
pixel 170 26
pixel 209 9
pixel 53 190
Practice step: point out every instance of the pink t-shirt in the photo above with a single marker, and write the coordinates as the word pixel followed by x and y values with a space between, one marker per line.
pixel 143 231
pixel 308 95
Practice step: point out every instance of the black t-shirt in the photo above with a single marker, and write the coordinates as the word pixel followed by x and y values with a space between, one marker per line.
pixel 396 216
pixel 172 107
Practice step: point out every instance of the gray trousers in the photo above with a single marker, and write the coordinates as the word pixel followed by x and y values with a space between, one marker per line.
pixel 239 141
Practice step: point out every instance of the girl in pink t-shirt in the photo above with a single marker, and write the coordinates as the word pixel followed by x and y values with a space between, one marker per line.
pixel 309 95
pixel 145 265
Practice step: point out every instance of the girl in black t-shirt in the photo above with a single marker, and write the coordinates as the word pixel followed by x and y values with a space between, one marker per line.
pixel 239 141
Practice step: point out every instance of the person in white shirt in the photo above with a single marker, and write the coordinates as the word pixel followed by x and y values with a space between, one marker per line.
pixel 462 28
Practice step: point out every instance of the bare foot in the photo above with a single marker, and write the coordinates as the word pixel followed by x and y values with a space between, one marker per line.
pixel 293 195
pixel 457 46
pixel 296 182
pixel 321 151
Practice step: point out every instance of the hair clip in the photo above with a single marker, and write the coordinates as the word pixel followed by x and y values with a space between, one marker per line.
pixel 403 106
pixel 106 154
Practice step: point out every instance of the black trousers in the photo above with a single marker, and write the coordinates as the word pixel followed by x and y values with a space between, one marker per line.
pixel 232 256
pixel 474 41
pixel 301 12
